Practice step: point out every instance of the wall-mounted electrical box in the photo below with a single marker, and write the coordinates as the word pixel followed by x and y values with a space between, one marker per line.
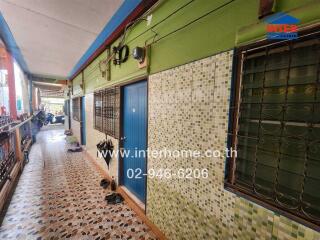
pixel 140 54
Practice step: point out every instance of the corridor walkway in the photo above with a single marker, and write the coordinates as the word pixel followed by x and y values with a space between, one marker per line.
pixel 58 196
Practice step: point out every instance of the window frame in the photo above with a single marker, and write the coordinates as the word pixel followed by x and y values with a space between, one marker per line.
pixel 66 107
pixel 76 114
pixel 234 109
pixel 95 125
pixel 110 120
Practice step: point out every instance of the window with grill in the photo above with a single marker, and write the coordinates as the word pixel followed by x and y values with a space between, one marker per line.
pixel 276 128
pixel 107 109
pixel 98 110
pixel 66 107
pixel 76 109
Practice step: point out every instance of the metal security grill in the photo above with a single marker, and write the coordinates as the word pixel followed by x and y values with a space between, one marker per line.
pixel 107 111
pixel 76 109
pixel 66 107
pixel 98 110
pixel 277 127
pixel 7 157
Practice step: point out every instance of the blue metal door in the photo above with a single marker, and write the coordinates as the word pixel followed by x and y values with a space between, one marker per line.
pixel 135 138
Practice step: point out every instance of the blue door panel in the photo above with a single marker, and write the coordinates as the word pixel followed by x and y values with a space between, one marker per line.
pixel 135 133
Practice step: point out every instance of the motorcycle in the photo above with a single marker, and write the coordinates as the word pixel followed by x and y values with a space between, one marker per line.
pixel 52 119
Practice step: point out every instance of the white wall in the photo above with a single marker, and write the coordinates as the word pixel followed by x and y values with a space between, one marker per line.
pixel 93 137
pixel 75 125
pixel 22 89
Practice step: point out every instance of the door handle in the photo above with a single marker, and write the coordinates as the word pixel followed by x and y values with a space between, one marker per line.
pixel 123 138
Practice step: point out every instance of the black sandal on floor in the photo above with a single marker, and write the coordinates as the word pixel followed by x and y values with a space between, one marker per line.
pixel 104 183
pixel 114 198
pixel 110 197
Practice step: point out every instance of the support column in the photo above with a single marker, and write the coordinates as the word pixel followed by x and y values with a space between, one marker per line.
pixel 11 86
pixel 30 94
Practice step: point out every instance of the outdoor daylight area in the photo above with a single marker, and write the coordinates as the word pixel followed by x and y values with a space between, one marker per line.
pixel 160 119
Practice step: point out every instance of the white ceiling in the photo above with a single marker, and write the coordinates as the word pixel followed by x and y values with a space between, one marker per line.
pixel 53 34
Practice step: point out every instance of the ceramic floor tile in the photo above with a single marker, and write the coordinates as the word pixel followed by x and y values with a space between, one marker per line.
pixel 58 197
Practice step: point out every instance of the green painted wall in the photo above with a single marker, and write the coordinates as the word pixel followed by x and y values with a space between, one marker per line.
pixel 308 14
pixel 224 24
pixel 76 85
pixel 93 78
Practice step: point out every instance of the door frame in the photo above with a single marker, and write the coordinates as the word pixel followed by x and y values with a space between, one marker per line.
pixel 82 120
pixel 121 124
pixel 69 113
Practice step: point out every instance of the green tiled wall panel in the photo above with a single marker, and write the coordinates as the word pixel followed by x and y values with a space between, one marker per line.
pixel 188 109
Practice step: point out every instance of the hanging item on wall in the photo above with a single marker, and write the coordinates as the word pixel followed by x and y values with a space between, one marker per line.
pixel 103 68
pixel 105 148
pixel 141 54
pixel 138 53
pixel 104 65
pixel 266 8
pixel 121 54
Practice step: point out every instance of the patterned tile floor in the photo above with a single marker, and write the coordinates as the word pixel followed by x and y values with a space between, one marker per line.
pixel 58 197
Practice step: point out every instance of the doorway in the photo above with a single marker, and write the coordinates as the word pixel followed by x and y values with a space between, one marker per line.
pixel 134 138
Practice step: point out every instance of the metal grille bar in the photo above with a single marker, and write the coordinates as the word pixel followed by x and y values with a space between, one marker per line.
pixel 107 111
pixel 97 110
pixel 7 158
pixel 76 109
pixel 277 131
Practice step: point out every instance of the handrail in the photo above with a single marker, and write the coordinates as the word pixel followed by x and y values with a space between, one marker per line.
pixel 20 124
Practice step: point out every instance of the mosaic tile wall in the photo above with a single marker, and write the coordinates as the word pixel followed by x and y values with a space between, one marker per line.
pixel 94 136
pixel 188 109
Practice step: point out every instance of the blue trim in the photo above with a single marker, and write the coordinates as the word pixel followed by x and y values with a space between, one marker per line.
pixel 281 18
pixel 121 14
pixel 11 45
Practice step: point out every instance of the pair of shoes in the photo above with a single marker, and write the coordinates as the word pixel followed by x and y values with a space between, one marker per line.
pixel 113 198
pixel 68 132
pixel 104 183
pixel 110 196
pixel 76 149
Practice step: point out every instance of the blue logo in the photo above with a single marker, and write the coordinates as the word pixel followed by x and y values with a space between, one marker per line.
pixel 282 26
